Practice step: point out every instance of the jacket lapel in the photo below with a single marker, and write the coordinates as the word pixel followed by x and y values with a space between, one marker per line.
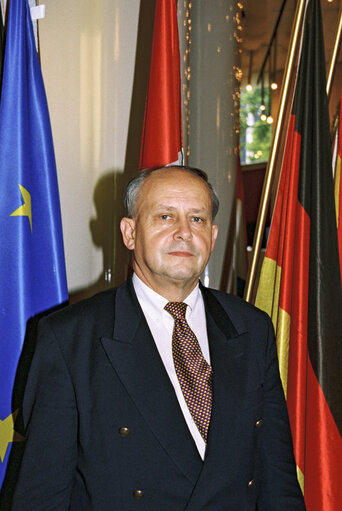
pixel 227 344
pixel 136 360
pixel 227 354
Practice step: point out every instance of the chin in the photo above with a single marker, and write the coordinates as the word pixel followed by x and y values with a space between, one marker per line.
pixel 181 271
pixel 183 274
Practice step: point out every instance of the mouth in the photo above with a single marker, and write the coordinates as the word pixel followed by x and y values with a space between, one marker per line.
pixel 181 253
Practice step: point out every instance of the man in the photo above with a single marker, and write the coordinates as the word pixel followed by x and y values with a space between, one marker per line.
pixel 114 423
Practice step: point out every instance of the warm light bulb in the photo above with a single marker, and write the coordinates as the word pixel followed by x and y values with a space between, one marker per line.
pixel 263 117
pixel 274 86
pixel 269 119
pixel 249 87
pixel 262 107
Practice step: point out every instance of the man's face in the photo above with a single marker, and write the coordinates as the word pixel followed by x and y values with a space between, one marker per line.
pixel 171 234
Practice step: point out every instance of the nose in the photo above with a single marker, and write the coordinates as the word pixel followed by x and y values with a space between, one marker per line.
pixel 183 230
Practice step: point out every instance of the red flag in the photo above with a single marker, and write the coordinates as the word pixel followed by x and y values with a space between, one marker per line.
pixel 162 132
pixel 300 284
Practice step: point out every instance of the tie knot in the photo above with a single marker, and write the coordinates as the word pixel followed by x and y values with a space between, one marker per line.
pixel 176 309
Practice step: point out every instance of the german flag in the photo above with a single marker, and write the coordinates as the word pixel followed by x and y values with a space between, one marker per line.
pixel 300 285
pixel 162 131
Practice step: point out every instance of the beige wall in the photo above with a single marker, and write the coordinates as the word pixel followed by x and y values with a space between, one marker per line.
pixel 87 50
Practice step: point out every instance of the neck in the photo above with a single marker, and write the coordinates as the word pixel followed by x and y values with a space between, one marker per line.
pixel 172 291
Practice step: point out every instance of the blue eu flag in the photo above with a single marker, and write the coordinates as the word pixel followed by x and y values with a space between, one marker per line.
pixel 32 267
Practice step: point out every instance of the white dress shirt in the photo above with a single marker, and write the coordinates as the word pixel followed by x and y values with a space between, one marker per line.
pixel 161 325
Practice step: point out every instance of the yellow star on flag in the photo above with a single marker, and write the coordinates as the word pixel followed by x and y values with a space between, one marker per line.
pixel 25 209
pixel 7 434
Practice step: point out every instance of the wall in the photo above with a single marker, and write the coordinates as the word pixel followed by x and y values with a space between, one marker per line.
pixel 87 53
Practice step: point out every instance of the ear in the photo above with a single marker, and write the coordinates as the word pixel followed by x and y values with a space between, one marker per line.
pixel 214 233
pixel 127 226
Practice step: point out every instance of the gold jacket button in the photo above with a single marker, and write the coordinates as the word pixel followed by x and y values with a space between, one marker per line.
pixel 250 483
pixel 258 423
pixel 124 431
pixel 138 494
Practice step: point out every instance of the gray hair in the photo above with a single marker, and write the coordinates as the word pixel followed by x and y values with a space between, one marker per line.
pixel 134 185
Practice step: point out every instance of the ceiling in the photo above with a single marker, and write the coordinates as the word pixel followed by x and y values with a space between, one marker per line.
pixel 258 21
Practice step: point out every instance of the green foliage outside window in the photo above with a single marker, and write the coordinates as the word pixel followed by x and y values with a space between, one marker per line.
pixel 255 134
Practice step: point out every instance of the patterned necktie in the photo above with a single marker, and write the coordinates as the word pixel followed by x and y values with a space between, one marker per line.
pixel 193 371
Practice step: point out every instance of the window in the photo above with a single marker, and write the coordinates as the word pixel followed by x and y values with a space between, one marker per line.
pixel 255 133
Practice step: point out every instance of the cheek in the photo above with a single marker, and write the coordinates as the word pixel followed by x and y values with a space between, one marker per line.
pixel 154 244
pixel 205 241
pixel 158 237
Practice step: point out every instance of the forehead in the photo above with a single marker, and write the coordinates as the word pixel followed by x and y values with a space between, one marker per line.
pixel 169 182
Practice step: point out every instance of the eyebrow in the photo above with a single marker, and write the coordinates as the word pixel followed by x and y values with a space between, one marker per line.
pixel 172 208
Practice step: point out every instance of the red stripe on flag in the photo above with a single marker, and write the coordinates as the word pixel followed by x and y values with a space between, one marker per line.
pixel 162 131
pixel 297 292
pixel 284 210
pixel 322 437
pixel 288 229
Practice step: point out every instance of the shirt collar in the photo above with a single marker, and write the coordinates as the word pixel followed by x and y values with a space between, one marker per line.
pixel 157 302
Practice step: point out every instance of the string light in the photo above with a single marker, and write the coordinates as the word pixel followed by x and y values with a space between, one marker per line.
pixel 237 71
pixel 258 154
pixel 249 86
pixel 187 73
pixel 269 119
pixel 262 106
pixel 274 84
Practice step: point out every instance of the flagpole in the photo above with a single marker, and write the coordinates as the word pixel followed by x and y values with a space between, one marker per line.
pixel 284 98
pixel 334 54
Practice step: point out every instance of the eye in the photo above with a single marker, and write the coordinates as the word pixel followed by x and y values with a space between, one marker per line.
pixel 197 219
pixel 165 217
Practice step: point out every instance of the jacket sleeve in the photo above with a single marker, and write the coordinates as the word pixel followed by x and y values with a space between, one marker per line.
pixel 50 416
pixel 279 486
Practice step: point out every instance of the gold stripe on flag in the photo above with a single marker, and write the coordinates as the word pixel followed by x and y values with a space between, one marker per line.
pixel 283 342
pixel 267 299
pixel 300 477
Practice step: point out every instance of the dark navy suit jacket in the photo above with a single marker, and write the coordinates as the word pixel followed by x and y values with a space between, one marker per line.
pixel 105 430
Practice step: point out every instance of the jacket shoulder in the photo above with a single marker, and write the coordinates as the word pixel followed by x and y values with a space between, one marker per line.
pixel 96 312
pixel 236 303
pixel 241 313
pixel 99 301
